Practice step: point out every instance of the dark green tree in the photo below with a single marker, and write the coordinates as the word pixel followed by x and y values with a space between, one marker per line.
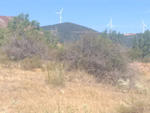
pixel 19 23
pixel 141 47
pixel 136 52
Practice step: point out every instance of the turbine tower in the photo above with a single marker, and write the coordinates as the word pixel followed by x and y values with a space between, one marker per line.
pixel 60 13
pixel 111 26
pixel 143 26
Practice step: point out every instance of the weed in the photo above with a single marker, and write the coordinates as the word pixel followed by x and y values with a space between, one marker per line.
pixel 56 73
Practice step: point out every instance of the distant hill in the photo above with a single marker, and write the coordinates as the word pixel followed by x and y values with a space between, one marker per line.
pixel 69 32
pixel 4 21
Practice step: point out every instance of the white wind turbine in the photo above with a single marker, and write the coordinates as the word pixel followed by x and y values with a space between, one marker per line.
pixel 143 26
pixel 60 13
pixel 111 26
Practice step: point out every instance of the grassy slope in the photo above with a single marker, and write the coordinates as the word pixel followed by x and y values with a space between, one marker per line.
pixel 28 92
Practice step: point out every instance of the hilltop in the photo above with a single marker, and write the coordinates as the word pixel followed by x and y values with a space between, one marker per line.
pixel 69 32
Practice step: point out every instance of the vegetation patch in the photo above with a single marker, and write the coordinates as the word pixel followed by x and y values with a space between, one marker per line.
pixel 25 39
pixel 141 105
pixel 56 74
pixel 98 56
pixel 31 63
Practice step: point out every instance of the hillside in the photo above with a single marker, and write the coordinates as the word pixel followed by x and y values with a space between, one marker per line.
pixel 28 92
pixel 4 21
pixel 69 32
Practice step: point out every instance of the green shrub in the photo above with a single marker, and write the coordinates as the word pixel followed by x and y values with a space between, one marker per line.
pixel 31 63
pixel 146 59
pixel 135 54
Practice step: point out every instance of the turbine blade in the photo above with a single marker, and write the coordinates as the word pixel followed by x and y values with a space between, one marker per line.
pixel 143 23
pixel 61 10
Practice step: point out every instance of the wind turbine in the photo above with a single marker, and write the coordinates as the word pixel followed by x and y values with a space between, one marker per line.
pixel 111 26
pixel 143 26
pixel 60 13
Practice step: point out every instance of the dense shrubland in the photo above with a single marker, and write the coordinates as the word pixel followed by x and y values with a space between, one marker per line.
pixel 100 56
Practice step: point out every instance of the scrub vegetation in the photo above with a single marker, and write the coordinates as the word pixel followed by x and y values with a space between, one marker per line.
pixel 94 74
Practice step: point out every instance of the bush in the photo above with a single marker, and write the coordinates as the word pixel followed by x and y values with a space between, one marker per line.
pixel 135 54
pixel 98 56
pixel 31 63
pixel 26 47
pixel 56 74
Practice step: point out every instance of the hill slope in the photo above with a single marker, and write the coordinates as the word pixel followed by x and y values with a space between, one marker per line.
pixel 69 32
pixel 4 21
pixel 28 92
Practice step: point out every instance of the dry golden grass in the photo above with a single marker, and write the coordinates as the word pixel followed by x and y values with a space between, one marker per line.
pixel 144 68
pixel 28 92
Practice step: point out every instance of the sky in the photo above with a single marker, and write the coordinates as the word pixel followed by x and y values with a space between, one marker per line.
pixel 127 15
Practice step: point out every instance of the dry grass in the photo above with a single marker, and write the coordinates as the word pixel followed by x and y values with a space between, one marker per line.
pixel 135 105
pixel 31 63
pixel 144 68
pixel 27 92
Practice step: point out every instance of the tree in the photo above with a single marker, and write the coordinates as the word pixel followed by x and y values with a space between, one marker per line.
pixel 19 23
pixel 141 47
pixel 26 39
pixel 136 52
pixel 114 36
pixel 35 24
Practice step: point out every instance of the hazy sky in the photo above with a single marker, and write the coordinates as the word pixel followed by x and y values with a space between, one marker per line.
pixel 127 15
